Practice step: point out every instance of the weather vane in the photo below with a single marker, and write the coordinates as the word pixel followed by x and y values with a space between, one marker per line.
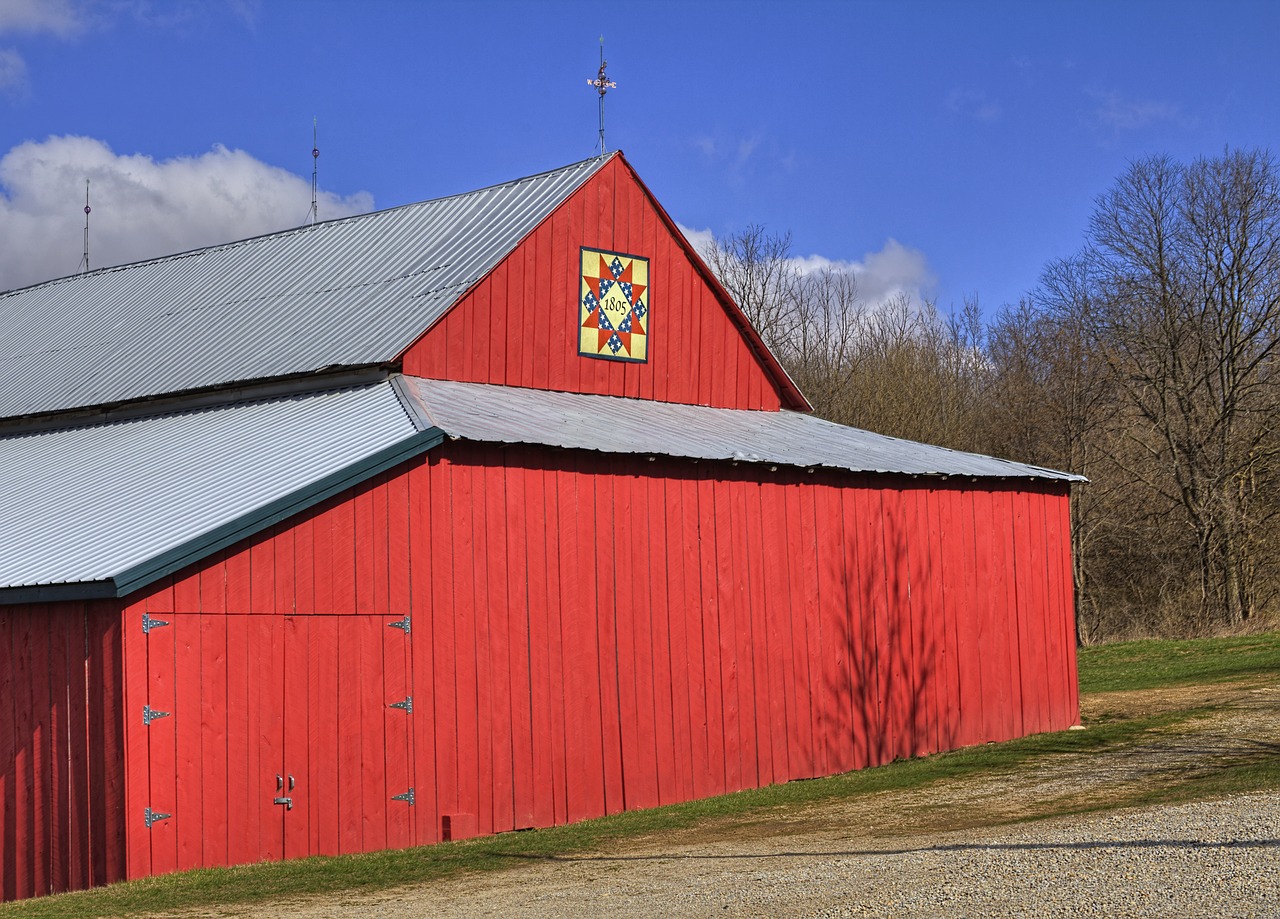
pixel 603 84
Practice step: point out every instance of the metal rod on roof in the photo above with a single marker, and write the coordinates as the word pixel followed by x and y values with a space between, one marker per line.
pixel 84 259
pixel 314 213
pixel 603 84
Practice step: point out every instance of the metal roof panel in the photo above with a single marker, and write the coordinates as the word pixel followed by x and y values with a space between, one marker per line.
pixel 99 502
pixel 609 424
pixel 347 292
pixel 124 502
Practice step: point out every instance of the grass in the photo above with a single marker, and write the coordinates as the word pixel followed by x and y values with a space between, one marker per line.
pixel 1156 664
pixel 1133 665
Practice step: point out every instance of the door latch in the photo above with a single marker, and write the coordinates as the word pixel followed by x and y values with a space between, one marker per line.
pixel 287 802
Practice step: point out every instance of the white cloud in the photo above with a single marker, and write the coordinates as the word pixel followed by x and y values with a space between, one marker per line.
pixel 894 270
pixel 56 16
pixel 13 71
pixel 246 11
pixel 142 207
pixel 973 103
pixel 60 17
pixel 736 156
pixel 699 239
pixel 1117 113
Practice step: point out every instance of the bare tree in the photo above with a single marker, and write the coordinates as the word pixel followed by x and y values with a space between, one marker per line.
pixel 897 367
pixel 1148 362
pixel 1184 265
pixel 755 266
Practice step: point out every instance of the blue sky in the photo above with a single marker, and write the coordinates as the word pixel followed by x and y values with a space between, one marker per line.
pixel 942 148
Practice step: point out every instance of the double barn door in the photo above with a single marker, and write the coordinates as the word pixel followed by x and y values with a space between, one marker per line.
pixel 277 737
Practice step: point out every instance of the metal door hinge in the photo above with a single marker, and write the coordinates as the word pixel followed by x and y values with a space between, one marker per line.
pixel 407 704
pixel 407 796
pixel 154 817
pixel 148 624
pixel 150 714
pixel 400 624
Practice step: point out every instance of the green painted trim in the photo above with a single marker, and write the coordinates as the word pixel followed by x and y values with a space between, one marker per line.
pixel 57 593
pixel 179 557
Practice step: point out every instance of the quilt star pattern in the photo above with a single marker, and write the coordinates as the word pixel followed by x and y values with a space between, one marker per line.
pixel 613 306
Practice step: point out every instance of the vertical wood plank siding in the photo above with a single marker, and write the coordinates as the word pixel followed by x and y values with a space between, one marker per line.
pixel 61 748
pixel 518 327
pixel 590 634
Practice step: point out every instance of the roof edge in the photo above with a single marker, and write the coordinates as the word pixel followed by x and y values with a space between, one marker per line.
pixel 232 532
pixel 202 398
pixel 412 402
pixel 57 593
pixel 601 161
pixel 792 397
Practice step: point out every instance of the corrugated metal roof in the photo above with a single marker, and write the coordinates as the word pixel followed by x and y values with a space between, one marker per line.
pixel 119 502
pixel 474 411
pixel 347 292
pixel 117 505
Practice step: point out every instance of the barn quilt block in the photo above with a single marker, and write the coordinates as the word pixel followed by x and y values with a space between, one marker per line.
pixel 613 306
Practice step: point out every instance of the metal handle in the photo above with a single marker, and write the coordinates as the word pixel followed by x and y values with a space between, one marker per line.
pixel 287 802
pixel 291 783
pixel 279 783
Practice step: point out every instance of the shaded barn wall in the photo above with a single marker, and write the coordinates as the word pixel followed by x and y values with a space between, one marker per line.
pixel 589 634
pixel 519 326
pixel 61 748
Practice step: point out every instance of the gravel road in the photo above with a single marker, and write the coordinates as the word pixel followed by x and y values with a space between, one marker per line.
pixel 952 849
pixel 1213 859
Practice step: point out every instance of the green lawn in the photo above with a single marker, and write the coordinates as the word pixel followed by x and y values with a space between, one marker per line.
pixel 1152 664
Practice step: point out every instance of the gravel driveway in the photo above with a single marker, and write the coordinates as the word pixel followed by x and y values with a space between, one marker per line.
pixel 929 852
pixel 1213 859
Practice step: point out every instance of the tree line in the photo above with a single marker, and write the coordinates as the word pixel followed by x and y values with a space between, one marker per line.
pixel 1146 361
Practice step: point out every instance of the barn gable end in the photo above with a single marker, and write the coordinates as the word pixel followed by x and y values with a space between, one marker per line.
pixel 519 326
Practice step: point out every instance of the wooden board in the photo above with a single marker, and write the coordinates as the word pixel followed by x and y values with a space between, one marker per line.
pixel 297 741
pixel 214 770
pixel 186 721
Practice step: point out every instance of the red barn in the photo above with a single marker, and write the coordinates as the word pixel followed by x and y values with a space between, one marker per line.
pixel 484 513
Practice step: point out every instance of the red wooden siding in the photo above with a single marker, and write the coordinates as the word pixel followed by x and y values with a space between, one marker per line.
pixel 518 327
pixel 262 707
pixel 589 634
pixel 61 750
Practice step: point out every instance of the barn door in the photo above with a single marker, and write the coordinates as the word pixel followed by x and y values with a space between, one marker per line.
pixel 366 735
pixel 279 737
pixel 336 750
